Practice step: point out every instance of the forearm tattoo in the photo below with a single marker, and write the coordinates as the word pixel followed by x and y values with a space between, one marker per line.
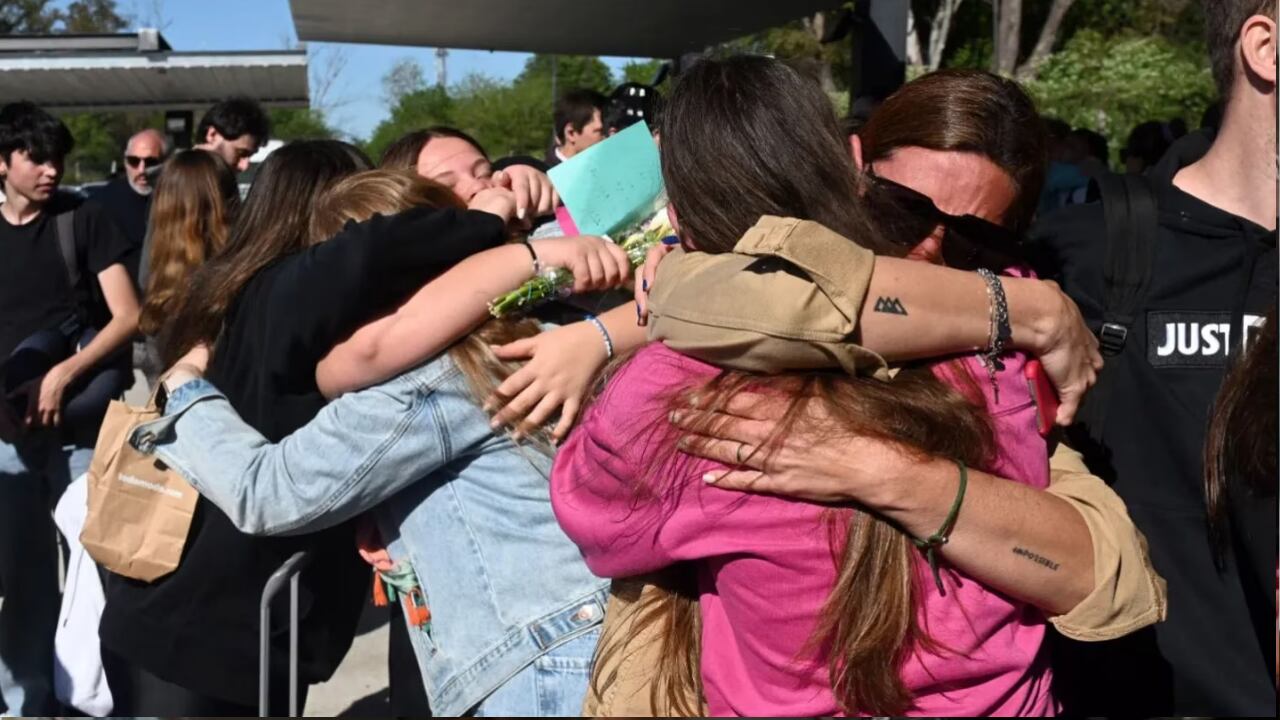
pixel 1037 559
pixel 890 306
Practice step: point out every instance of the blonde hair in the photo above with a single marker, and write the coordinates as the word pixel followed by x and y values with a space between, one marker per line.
pixel 387 192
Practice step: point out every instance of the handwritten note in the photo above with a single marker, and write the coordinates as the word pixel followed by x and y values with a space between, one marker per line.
pixel 612 184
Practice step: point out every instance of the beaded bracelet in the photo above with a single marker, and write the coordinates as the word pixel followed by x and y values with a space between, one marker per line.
pixel 930 545
pixel 608 341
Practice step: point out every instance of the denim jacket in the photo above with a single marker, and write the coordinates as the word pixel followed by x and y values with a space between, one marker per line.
pixel 467 508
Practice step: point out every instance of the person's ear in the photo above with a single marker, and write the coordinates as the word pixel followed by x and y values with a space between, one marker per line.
pixel 855 147
pixel 1258 48
pixel 211 135
pixel 570 134
pixel 671 218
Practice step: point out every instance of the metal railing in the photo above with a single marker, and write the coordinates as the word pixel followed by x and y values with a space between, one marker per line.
pixel 287 572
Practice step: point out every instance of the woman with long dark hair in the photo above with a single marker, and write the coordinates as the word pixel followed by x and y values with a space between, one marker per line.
pixel 804 609
pixel 269 308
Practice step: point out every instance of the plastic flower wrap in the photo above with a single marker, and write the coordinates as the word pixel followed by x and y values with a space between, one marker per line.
pixel 555 283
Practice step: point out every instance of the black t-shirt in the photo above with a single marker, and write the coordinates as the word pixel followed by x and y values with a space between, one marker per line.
pixel 198 628
pixel 34 290
pixel 1213 277
pixel 130 211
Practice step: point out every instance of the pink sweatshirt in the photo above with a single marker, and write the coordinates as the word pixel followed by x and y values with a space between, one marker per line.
pixel 765 566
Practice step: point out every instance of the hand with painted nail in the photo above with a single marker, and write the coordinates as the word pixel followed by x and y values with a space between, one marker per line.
pixel 645 275
pixel 532 189
pixel 808 462
pixel 560 369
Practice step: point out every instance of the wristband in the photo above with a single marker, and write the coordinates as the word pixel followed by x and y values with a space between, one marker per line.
pixel 537 264
pixel 608 341
pixel 929 546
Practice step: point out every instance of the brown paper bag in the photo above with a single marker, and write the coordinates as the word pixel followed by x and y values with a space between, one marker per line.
pixel 139 510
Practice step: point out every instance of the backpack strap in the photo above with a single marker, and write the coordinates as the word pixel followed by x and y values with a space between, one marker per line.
pixel 64 228
pixel 1129 212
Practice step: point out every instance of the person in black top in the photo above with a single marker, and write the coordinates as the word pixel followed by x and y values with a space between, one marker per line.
pixel 128 199
pixel 1212 277
pixel 67 308
pixel 188 643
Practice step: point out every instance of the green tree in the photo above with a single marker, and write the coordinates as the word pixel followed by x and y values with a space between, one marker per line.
pixel 641 71
pixel 572 71
pixel 26 17
pixel 1112 84
pixel 300 124
pixel 93 16
pixel 414 111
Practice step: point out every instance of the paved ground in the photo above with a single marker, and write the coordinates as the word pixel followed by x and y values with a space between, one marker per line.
pixel 359 688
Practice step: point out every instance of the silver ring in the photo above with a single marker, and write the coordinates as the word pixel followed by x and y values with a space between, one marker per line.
pixel 738 453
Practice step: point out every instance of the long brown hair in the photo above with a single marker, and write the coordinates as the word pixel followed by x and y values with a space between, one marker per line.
pixel 365 194
pixel 195 201
pixel 273 222
pixel 967 111
pixel 1240 448
pixel 748 136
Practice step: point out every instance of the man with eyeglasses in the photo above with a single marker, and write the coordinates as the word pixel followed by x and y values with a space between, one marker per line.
pixel 127 199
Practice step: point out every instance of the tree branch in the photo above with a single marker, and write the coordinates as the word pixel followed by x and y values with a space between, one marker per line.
pixel 1009 36
pixel 913 39
pixel 1044 46
pixel 940 30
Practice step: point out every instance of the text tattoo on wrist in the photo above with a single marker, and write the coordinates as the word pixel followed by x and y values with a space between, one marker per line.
pixel 890 306
pixel 1037 559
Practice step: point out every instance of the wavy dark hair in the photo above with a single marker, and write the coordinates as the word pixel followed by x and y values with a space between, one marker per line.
pixel 273 222
pixel 744 137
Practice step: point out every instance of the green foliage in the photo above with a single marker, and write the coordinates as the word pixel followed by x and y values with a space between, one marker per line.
pixel 39 17
pixel 93 16
pixel 100 140
pixel 1111 85
pixel 300 124
pixel 572 71
pixel 414 111
pixel 506 118
pixel 640 71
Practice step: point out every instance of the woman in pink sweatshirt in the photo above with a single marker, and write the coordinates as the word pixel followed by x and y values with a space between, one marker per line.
pixel 805 610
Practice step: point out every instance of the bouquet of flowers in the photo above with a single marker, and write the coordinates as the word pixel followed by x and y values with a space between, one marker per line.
pixel 555 283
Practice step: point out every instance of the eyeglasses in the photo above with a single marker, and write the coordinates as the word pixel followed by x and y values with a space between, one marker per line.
pixel 907 216
pixel 134 161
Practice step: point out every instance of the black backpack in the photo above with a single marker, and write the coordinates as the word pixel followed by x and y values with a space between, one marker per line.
pixel 1132 221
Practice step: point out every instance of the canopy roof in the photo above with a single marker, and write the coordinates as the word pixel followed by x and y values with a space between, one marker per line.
pixel 139 71
pixel 652 28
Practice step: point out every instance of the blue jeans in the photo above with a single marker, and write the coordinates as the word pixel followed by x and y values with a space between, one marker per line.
pixel 553 686
pixel 33 475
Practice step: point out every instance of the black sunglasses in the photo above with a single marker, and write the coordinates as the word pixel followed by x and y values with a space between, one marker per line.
pixel 134 160
pixel 907 216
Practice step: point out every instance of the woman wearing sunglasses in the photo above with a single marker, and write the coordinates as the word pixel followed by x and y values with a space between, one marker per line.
pixel 957 193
